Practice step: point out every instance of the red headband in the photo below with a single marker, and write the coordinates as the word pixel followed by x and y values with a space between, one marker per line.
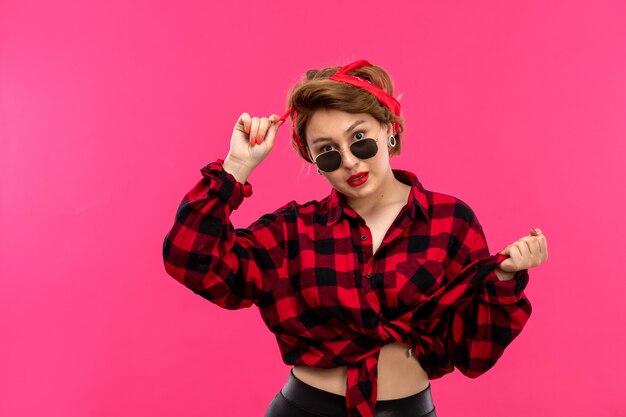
pixel 342 76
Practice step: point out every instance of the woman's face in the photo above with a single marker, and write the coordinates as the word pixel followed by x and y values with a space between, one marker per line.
pixel 330 129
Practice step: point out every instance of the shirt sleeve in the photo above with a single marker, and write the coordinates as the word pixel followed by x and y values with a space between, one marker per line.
pixel 482 326
pixel 230 267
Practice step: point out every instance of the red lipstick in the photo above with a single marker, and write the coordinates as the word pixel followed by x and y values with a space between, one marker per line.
pixel 358 179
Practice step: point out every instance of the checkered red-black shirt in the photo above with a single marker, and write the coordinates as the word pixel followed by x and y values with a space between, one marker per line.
pixel 330 301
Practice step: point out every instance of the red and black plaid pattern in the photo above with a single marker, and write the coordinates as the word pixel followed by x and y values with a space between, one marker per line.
pixel 330 301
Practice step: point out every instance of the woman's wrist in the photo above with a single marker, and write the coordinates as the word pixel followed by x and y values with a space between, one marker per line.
pixel 237 169
pixel 504 275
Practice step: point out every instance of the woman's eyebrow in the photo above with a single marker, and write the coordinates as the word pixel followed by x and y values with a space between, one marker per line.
pixel 352 126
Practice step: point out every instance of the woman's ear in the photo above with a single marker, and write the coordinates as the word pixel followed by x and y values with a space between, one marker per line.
pixel 390 129
pixel 390 132
pixel 308 151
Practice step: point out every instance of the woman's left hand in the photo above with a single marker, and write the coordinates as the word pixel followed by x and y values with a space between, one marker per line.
pixel 526 252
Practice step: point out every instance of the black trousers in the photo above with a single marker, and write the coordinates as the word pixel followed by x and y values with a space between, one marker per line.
pixel 299 399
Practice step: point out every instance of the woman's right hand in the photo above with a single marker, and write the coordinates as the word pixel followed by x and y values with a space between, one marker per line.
pixel 252 140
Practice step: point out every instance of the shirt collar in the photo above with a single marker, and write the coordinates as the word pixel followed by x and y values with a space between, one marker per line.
pixel 417 201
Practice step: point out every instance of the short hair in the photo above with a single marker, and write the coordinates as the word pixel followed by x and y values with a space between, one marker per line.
pixel 316 91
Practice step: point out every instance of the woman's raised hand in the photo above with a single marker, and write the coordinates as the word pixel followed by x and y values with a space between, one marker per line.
pixel 252 140
pixel 526 252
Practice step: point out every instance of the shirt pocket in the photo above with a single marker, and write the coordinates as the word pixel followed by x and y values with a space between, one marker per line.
pixel 416 280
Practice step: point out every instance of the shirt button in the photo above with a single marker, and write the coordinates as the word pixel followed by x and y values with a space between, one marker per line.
pixel 363 237
pixel 368 275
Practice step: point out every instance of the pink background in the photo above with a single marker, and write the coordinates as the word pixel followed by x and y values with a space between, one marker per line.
pixel 109 109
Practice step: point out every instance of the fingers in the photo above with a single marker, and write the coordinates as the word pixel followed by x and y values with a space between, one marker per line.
pixel 243 123
pixel 515 254
pixel 524 247
pixel 532 248
pixel 264 123
pixel 542 248
pixel 538 240
pixel 275 123
pixel 537 244
pixel 264 128
pixel 254 129
pixel 530 243
pixel 259 129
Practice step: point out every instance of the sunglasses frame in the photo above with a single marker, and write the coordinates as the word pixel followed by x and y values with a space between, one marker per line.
pixel 339 151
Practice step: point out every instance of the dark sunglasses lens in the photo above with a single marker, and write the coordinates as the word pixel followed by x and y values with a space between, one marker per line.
pixel 328 161
pixel 364 148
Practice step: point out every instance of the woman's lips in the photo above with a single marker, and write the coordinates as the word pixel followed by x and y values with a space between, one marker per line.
pixel 358 179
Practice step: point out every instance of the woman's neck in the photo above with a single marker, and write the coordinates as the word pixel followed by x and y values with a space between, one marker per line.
pixel 390 191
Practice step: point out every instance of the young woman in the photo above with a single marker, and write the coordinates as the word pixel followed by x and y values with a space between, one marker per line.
pixel 371 291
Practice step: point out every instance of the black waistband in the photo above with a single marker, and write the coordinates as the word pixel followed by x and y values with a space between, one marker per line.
pixel 319 401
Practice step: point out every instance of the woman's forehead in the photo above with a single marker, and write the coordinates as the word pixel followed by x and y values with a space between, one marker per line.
pixel 335 122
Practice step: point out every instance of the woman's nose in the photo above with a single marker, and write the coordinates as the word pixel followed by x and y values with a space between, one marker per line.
pixel 349 159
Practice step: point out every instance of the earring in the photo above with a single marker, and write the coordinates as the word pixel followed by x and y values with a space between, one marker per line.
pixel 319 172
pixel 392 141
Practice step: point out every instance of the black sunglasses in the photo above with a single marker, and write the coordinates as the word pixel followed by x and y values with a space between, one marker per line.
pixel 331 160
